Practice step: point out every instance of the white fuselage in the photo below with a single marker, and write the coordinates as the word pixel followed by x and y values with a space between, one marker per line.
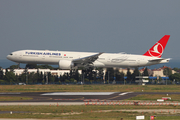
pixel 104 60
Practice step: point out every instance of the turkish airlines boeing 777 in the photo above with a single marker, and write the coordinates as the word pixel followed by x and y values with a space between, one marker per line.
pixel 70 60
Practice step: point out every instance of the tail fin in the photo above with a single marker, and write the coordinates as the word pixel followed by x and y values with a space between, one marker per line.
pixel 158 48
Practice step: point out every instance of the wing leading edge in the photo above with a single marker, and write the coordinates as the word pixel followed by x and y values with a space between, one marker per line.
pixel 86 61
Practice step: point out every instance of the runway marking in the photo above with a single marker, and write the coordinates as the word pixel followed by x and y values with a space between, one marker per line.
pixel 79 93
pixel 112 98
pixel 125 93
pixel 71 99
pixel 118 95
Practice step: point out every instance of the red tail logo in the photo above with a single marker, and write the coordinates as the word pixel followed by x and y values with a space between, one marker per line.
pixel 158 48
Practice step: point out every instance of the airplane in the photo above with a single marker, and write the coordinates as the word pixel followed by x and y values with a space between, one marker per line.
pixel 73 60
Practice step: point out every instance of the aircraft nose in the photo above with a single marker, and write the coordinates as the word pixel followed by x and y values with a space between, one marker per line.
pixel 8 57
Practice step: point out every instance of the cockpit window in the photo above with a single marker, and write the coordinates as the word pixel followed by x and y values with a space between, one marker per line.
pixel 11 54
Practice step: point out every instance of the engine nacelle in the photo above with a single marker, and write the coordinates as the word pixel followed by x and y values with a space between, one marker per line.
pixel 65 64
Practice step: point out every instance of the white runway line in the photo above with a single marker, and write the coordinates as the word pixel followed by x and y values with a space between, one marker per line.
pixel 125 93
pixel 79 93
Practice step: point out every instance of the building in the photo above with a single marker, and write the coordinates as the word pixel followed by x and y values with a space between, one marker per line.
pixel 159 71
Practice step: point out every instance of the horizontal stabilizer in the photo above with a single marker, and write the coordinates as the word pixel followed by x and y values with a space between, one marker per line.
pixel 159 60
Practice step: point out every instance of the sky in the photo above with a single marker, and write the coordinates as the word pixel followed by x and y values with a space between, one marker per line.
pixel 113 26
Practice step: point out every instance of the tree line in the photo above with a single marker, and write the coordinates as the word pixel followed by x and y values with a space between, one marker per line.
pixel 89 75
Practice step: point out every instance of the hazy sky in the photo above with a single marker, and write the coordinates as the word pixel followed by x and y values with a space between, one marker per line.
pixel 131 26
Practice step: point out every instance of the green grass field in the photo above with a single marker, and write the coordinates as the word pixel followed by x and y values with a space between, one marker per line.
pixel 105 112
pixel 92 112
pixel 89 88
pixel 13 98
pixel 154 97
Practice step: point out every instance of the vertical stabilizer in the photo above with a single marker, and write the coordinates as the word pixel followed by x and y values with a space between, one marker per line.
pixel 158 48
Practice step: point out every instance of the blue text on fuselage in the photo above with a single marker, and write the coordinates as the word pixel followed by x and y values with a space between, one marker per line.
pixel 43 53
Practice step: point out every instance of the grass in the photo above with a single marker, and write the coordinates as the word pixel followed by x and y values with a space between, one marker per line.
pixel 90 112
pixel 174 97
pixel 89 88
pixel 13 98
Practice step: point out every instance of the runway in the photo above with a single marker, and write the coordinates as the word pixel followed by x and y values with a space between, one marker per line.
pixel 78 96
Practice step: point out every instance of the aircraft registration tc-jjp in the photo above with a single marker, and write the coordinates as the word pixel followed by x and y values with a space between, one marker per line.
pixel 71 60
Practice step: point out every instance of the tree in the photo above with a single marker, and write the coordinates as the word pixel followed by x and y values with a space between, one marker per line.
pixel 40 77
pixel 121 75
pixel 51 78
pixel 1 74
pixel 31 78
pixel 61 79
pixel 175 76
pixel 100 72
pixel 76 75
pixel 167 71
pixel 22 77
pixel 129 75
pixel 145 73
pixel 109 74
pixel 31 66
pixel 45 67
pixel 13 67
pixel 176 69
pixel 72 80
pixel 118 75
pixel 136 73
pixel 90 73
pixel 36 77
pixel 65 77
pixel 71 74
pixel 66 81
pixel 10 77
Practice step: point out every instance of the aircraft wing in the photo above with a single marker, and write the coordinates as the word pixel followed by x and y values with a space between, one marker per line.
pixel 85 61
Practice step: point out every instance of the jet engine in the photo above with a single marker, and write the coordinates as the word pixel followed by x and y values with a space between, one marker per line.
pixel 66 64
